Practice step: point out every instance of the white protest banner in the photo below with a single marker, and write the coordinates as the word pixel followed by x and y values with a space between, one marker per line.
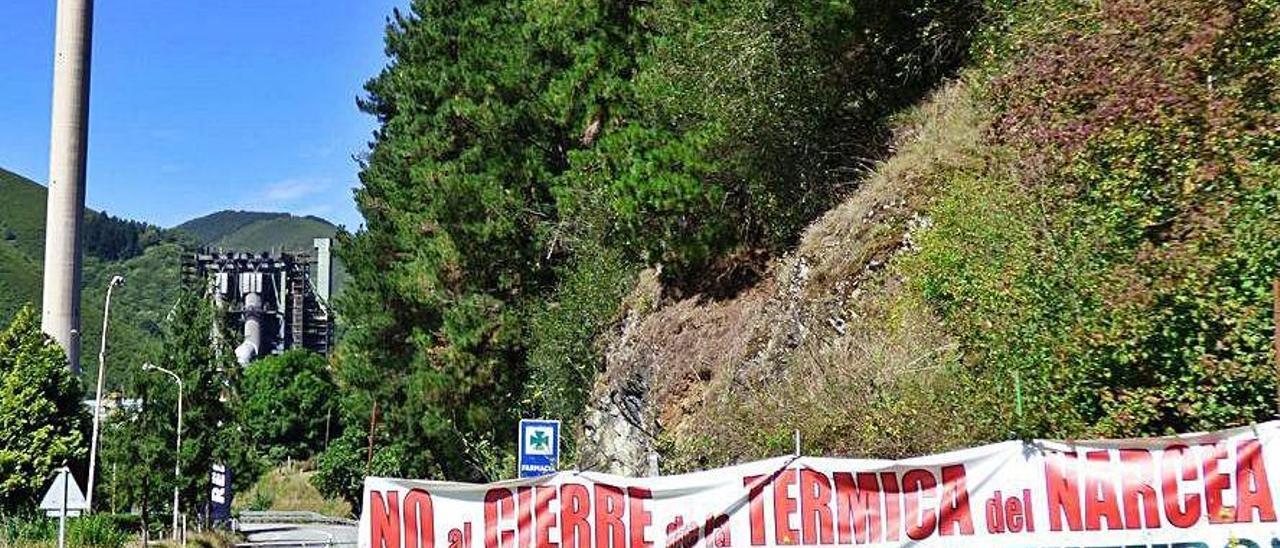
pixel 1191 491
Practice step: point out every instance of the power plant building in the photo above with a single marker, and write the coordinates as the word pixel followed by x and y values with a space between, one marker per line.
pixel 275 301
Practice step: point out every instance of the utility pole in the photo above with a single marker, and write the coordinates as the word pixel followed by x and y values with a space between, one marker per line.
pixel 1275 336
pixel 68 145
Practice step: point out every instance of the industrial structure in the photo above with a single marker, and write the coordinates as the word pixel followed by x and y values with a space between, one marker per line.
pixel 276 300
pixel 68 145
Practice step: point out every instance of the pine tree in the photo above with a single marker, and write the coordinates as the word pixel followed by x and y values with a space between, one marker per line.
pixel 480 107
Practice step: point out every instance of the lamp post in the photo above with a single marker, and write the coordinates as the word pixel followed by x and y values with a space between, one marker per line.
pixel 116 281
pixel 177 457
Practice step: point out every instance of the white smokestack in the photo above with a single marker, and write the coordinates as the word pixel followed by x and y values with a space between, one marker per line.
pixel 67 149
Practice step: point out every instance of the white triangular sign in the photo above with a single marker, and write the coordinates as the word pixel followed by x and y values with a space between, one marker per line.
pixel 64 483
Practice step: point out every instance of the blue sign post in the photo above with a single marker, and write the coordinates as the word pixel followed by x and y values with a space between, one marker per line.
pixel 539 447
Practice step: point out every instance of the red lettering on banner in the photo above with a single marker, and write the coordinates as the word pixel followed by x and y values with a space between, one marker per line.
pixel 1016 512
pixel 996 511
pixel 755 508
pixel 815 507
pixel 1114 489
pixel 1027 511
pixel 1139 491
pixel 1183 512
pixel 953 509
pixel 640 516
pixel 1062 489
pixel 1253 491
pixel 717 532
pixel 1215 482
pixel 499 505
pixel 384 519
pixel 783 508
pixel 920 521
pixel 1012 515
pixel 892 505
pixel 524 516
pixel 610 532
pixel 545 518
pixel 858 508
pixel 419 520
pixel 1100 492
pixel 575 506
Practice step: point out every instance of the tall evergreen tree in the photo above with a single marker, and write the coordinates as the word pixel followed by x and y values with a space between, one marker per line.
pixel 141 440
pixel 480 106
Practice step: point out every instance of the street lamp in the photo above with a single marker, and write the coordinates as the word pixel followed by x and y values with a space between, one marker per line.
pixel 116 281
pixel 177 457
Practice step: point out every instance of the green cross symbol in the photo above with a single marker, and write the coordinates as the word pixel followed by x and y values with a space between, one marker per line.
pixel 539 439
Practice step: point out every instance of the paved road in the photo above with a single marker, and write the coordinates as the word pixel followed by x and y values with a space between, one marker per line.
pixel 295 534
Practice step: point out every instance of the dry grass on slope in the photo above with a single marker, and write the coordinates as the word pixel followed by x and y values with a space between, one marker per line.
pixel 831 342
pixel 289 488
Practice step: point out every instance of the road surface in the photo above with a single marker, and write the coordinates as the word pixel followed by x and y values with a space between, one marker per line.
pixel 292 533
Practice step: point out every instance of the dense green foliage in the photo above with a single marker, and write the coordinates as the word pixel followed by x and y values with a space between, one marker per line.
pixel 287 405
pixel 1126 272
pixel 138 449
pixel 42 423
pixel 1105 244
pixel 114 239
pixel 532 156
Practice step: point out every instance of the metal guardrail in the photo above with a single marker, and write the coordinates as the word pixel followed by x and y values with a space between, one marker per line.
pixel 280 516
pixel 294 543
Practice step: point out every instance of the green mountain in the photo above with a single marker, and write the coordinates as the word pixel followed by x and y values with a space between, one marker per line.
pixel 257 231
pixel 216 225
pixel 148 257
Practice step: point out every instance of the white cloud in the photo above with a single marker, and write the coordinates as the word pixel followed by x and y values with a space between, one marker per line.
pixel 301 196
pixel 290 190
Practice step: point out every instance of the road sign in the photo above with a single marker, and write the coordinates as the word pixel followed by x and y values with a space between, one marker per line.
pixel 539 447
pixel 64 485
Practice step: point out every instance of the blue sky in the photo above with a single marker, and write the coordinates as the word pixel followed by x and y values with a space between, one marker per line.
pixel 198 106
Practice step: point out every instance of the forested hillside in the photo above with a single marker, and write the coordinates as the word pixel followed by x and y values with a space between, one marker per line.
pixel 257 231
pixel 896 226
pixel 149 258
pixel 146 255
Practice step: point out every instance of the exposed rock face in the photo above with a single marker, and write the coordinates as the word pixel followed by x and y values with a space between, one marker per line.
pixel 618 432
pixel 620 427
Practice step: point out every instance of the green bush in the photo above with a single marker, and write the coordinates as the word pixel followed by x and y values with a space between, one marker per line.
pixel 1125 271
pixel 564 356
pixel 42 422
pixel 95 531
pixel 286 401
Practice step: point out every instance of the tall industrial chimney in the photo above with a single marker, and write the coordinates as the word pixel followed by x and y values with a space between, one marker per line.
pixel 68 143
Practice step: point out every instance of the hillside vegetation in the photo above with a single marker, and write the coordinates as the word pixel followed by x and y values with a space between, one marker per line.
pixel 1076 238
pixel 256 231
pixel 1048 218
pixel 148 257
